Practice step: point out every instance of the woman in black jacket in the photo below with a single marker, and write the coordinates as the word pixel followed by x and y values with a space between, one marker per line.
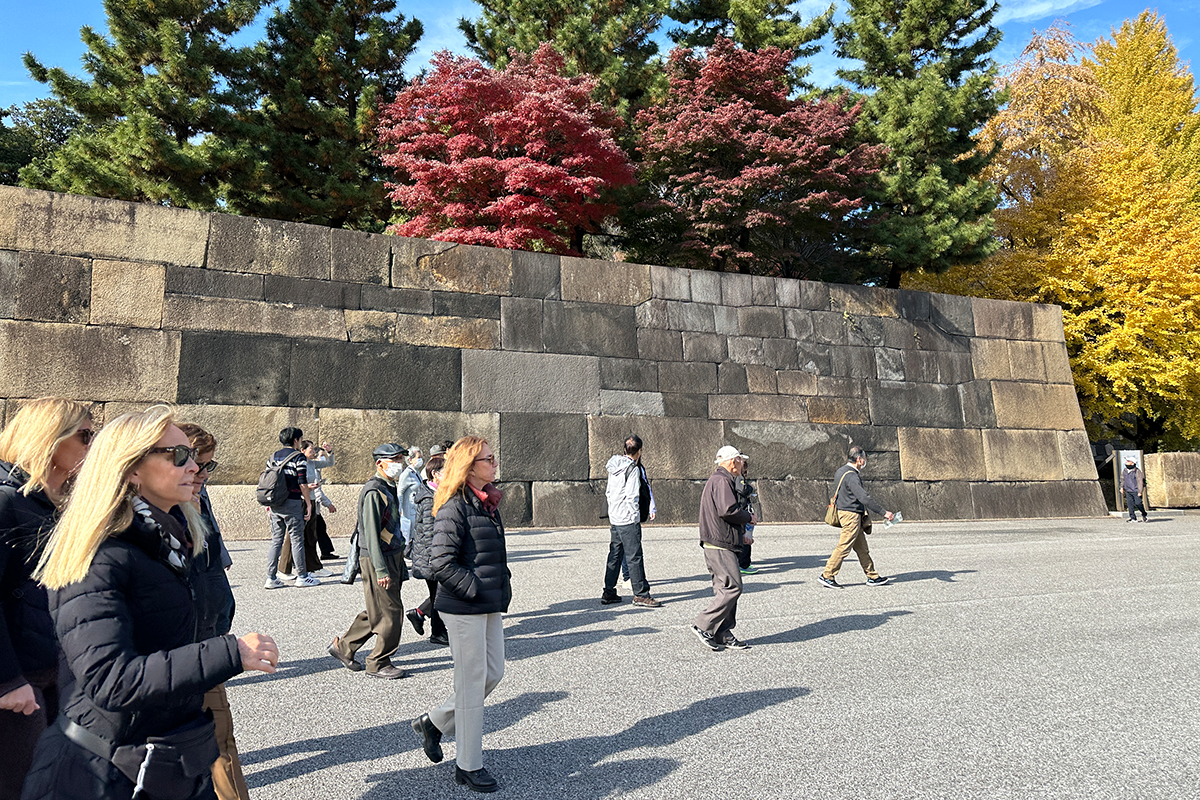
pixel 117 567
pixel 420 552
pixel 39 450
pixel 471 567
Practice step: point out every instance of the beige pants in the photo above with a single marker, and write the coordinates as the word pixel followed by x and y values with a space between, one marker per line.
pixel 477 645
pixel 227 769
pixel 854 539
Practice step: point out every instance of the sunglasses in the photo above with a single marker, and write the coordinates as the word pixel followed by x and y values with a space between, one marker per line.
pixel 208 466
pixel 86 435
pixel 490 459
pixel 181 453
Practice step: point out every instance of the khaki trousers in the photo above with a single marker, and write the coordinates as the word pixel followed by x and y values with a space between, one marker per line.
pixel 383 617
pixel 721 615
pixel 477 646
pixel 854 539
pixel 227 769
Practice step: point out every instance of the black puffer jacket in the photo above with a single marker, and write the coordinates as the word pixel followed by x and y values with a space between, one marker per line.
pixel 420 546
pixel 128 635
pixel 27 642
pixel 470 562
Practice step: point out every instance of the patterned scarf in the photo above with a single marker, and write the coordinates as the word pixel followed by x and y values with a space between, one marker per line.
pixel 174 546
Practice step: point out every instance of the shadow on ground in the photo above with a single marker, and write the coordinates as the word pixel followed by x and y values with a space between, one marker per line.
pixel 828 627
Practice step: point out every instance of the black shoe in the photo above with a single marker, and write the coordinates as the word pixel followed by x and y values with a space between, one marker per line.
pixel 608 598
pixel 440 639
pixel 707 639
pixel 347 582
pixel 418 622
pixel 830 582
pixel 348 663
pixel 476 781
pixel 431 737
pixel 327 556
pixel 734 643
pixel 880 581
pixel 391 673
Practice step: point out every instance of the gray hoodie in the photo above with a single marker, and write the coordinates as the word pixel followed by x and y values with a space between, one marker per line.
pixel 622 492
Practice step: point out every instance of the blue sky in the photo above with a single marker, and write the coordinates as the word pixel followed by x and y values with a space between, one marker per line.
pixel 52 32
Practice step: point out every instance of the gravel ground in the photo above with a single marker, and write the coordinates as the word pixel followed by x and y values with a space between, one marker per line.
pixel 1045 659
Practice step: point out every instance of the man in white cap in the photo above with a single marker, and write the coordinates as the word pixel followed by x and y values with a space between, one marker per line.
pixel 1133 486
pixel 723 518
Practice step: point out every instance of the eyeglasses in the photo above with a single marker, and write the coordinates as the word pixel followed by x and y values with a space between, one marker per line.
pixel 490 459
pixel 208 466
pixel 86 435
pixel 181 453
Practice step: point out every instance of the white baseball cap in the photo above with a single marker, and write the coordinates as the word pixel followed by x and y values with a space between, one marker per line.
pixel 729 452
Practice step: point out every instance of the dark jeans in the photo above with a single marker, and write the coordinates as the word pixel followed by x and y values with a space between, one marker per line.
pixel 1135 503
pixel 323 540
pixel 626 543
pixel 436 626
pixel 19 733
pixel 744 556
pixel 287 521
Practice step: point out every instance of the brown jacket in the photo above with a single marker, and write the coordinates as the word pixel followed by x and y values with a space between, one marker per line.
pixel 722 515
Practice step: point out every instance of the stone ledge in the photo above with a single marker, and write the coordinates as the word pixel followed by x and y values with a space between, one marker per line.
pixel 269 247
pixel 611 282
pixel 765 407
pixel 427 264
pixel 459 332
pixel 185 312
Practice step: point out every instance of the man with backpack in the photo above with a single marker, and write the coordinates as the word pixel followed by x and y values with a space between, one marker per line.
pixel 283 488
pixel 630 503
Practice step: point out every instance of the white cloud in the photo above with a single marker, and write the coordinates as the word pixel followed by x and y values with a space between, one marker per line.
pixel 1029 10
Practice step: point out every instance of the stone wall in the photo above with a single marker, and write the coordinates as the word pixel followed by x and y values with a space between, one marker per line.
pixel 249 325
pixel 1173 479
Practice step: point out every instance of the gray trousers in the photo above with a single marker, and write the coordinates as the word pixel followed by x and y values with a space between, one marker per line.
pixel 287 520
pixel 477 646
pixel 721 615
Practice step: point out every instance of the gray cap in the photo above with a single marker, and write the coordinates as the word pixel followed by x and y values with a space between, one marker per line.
pixel 390 450
pixel 437 450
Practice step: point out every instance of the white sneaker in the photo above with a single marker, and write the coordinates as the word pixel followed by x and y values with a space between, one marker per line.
pixel 287 576
pixel 306 580
pixel 273 583
pixel 322 573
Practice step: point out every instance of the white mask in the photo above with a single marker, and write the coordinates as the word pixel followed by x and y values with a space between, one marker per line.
pixel 416 464
pixel 393 469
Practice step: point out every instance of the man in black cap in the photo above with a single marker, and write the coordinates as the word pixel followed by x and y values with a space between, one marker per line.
pixel 381 558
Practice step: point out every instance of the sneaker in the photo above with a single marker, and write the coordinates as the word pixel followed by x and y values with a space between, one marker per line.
pixel 608 598
pixel 1131 519
pixel 646 601
pixel 306 580
pixel 322 573
pixel 273 583
pixel 707 639
pixel 734 643
pixel 880 581
pixel 750 570
pixel 830 582
pixel 287 576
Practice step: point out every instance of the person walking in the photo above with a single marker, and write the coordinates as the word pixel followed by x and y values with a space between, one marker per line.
pixel 381 559
pixel 288 518
pixel 320 458
pixel 314 525
pixel 749 494
pixel 470 563
pixel 630 503
pixel 723 517
pixel 40 449
pixel 420 552
pixel 1133 486
pixel 116 567
pixel 852 503
pixel 350 571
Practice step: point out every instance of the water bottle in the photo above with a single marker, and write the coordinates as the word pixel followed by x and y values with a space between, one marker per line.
pixel 897 517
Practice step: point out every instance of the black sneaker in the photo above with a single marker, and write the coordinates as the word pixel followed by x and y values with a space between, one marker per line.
pixel 880 581
pixel 734 643
pixel 707 639
pixel 830 582
pixel 608 598
pixel 418 621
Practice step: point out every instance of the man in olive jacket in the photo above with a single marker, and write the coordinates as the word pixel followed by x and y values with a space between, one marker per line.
pixel 723 518
pixel 381 557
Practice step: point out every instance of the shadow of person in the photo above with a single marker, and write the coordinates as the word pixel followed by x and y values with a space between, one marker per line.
pixel 793 562
pixel 943 575
pixel 587 766
pixel 539 555
pixel 828 627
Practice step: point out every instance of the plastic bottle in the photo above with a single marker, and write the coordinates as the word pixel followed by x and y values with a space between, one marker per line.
pixel 897 517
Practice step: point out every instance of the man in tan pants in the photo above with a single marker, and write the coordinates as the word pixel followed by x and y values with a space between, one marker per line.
pixel 852 503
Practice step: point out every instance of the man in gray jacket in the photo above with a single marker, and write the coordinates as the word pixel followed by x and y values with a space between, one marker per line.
pixel 1133 486
pixel 723 518
pixel 630 503
pixel 852 502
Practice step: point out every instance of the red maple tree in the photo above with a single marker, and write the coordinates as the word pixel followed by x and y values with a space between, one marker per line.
pixel 742 176
pixel 517 158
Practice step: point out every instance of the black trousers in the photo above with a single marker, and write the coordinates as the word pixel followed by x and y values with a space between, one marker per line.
pixel 324 543
pixel 436 627
pixel 626 544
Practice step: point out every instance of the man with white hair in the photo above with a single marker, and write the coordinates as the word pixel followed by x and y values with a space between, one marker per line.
pixel 723 518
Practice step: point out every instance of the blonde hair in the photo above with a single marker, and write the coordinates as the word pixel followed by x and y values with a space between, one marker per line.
pixel 32 438
pixel 102 502
pixel 459 460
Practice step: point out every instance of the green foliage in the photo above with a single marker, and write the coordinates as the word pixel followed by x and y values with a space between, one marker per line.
pixel 930 87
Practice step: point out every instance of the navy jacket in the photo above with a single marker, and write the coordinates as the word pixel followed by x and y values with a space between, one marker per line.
pixel 470 562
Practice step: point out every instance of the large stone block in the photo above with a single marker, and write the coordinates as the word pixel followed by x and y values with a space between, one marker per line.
pixel 521 324
pixel 187 312
pixel 796 382
pixel 465 333
pixel 781 353
pixel 798 324
pixel 371 326
pixel 762 288
pixel 852 362
pixel 815 359
pixel 787 450
pixel 685 405
pixel 732 379
pixel 943 500
pixel 979 411
pixel 405 301
pixel 543 447
pixel 617 403
pixel 1002 319
pixel 677 502
pixel 74 225
pixel 269 247
pixel 915 305
pixel 803 294
pixel 225 368
pixel 932 454
pixel 690 316
pixel 308 292
pixel 127 293
pixel 841 387
pixel 1058 364
pixel 358 257
pixel 1022 455
pixel 872 438
pixel 1037 406
pixel 367 376
pixel 839 410
pixel 1047 323
pixel 99 363
pixel 829 327
pixel 796 501
pixel 736 289
pixel 653 314
pixel 725 319
pixel 1028 364
pixel 746 350
pixel 670 284
pixel 990 360
pixel 46 288
pixel 932 366
pixel 1033 500
pixel 882 332
pixel 952 313
pixel 1077 461
pixel 680 376
pixel 569 504
pixel 704 347
pixel 214 283
pixel 590 329
pixel 910 405
pixel 516 504
pixel 784 408
pixel 589 280
pixel 425 264
pixel 759 321
pixel 672 447
pixel 537 275
pixel 706 286
pixel 1173 479
pixel 927 336
pixel 889 363
pixel 459 304
pixel 510 381
pixel 355 432
pixel 761 379
pixel 628 374
pixel 659 345
pixel 902 496
pixel 864 301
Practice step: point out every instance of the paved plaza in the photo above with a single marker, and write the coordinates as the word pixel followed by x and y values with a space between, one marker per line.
pixel 1029 659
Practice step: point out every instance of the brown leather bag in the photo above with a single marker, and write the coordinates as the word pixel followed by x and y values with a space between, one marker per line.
pixel 831 514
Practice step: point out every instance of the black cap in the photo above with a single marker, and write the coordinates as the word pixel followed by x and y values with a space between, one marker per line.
pixel 391 450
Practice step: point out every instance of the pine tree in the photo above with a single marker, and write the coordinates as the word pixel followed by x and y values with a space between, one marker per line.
pixel 930 87
pixel 324 69
pixel 158 89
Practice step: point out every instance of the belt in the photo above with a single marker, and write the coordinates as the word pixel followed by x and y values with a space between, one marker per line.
pixel 86 739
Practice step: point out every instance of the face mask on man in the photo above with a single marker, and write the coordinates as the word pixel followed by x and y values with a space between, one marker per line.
pixel 393 469
pixel 417 463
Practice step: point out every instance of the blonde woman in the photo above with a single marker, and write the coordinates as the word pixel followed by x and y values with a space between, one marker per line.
pixel 39 450
pixel 116 566
pixel 470 564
